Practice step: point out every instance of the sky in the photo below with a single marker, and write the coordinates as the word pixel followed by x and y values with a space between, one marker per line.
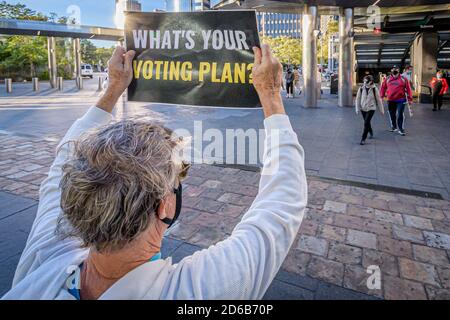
pixel 93 12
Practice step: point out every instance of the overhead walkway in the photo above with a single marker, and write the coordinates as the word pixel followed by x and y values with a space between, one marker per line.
pixel 53 30
pixel 49 29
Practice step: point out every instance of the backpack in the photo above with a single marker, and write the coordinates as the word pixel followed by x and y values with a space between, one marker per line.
pixel 374 94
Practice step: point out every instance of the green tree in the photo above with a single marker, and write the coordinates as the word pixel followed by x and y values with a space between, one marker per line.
pixel 20 11
pixel 22 56
pixel 64 58
pixel 286 49
pixel 88 52
pixel 103 55
pixel 322 45
pixel 25 56
pixel 19 54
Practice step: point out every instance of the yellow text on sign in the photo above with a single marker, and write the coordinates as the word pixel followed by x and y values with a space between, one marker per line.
pixel 237 73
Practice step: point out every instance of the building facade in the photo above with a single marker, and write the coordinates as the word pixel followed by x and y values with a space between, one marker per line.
pixel 128 5
pixel 275 24
pixel 187 5
pixel 125 5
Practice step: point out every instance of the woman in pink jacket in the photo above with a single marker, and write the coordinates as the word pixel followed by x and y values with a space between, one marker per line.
pixel 398 92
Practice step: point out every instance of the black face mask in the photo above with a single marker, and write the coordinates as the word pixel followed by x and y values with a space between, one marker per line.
pixel 395 72
pixel 178 192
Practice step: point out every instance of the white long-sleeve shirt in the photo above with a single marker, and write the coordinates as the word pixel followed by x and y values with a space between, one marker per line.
pixel 240 267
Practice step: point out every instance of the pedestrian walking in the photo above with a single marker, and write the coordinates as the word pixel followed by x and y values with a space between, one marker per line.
pixel 439 87
pixel 367 101
pixel 407 74
pixel 297 88
pixel 289 77
pixel 319 84
pixel 398 92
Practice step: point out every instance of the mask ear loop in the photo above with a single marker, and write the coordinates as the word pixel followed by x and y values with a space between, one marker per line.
pixel 178 192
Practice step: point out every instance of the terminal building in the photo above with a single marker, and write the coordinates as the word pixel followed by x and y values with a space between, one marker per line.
pixel 277 24
pixel 128 5
pixel 269 23
pixel 187 5
pixel 371 38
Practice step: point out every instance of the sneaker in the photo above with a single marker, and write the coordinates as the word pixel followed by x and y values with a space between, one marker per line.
pixel 362 142
pixel 370 135
pixel 402 133
pixel 393 130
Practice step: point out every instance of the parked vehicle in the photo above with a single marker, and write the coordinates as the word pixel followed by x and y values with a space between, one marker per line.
pixel 87 71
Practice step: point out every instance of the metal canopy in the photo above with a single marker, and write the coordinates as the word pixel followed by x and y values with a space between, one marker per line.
pixel 382 50
pixel 49 29
pixel 443 58
pixel 400 22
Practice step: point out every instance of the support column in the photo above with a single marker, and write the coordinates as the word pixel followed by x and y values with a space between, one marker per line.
pixel 77 56
pixel 52 67
pixel 354 69
pixel 330 53
pixel 309 22
pixel 424 51
pixel 345 91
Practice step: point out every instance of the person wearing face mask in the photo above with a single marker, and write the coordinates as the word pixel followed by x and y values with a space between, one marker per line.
pixel 115 188
pixel 439 87
pixel 398 92
pixel 367 101
pixel 289 77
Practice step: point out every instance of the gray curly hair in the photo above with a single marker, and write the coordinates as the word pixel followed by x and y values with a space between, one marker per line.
pixel 113 183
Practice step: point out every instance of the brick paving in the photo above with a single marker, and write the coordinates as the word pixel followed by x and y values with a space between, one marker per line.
pixel 346 229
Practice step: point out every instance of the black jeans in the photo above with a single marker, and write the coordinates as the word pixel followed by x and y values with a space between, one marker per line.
pixel 437 101
pixel 397 114
pixel 290 87
pixel 367 116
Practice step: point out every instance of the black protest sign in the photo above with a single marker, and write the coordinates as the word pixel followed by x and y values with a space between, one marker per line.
pixel 193 58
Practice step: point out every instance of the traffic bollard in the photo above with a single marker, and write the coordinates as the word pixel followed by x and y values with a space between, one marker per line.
pixel 79 82
pixel 60 82
pixel 100 83
pixel 8 84
pixel 35 82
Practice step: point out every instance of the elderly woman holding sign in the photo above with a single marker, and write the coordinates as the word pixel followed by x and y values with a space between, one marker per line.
pixel 114 189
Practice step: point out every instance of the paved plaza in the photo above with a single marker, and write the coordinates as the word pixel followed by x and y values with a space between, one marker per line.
pixel 374 205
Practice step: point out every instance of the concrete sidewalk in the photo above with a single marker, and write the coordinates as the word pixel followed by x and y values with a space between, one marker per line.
pixel 368 206
pixel 16 221
pixel 330 135
pixel 347 228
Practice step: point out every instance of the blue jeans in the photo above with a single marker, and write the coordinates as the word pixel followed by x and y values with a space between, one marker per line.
pixel 397 114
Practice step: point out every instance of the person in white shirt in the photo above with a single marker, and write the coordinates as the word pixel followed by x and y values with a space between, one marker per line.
pixel 114 189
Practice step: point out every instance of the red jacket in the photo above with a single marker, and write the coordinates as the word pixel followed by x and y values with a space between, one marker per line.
pixel 396 88
pixel 444 85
